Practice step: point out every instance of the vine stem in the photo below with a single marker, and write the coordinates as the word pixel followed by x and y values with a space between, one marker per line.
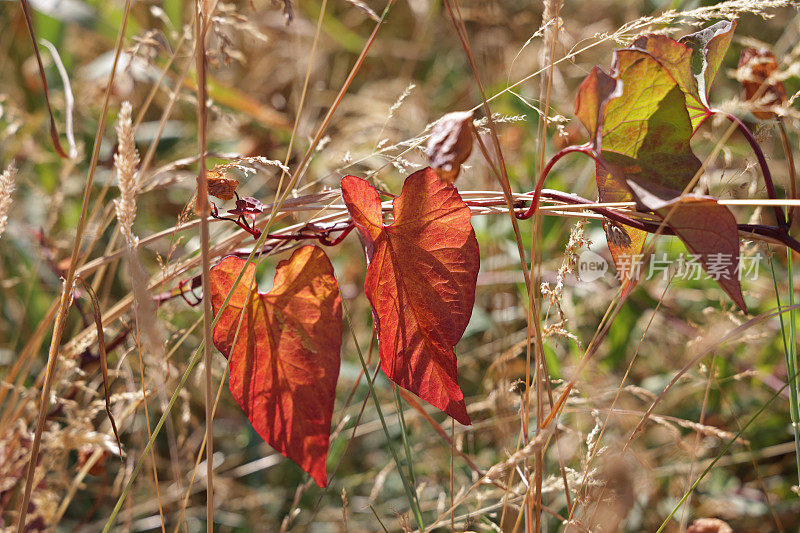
pixel 771 232
pixel 537 192
pixel 762 162
pixel 345 227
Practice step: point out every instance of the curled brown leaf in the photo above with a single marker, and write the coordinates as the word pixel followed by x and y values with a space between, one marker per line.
pixel 450 144
pixel 757 68
pixel 221 186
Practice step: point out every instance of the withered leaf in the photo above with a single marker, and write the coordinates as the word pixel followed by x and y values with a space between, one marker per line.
pixel 221 186
pixel 450 144
pixel 756 66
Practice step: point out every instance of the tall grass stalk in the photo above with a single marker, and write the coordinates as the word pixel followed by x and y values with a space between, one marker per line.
pixel 200 27
pixel 65 299
pixel 790 351
pixel 792 365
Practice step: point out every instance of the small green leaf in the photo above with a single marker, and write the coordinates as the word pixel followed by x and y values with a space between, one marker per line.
pixel 646 131
pixel 693 62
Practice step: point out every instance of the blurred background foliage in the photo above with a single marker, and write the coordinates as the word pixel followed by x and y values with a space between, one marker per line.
pixel 415 72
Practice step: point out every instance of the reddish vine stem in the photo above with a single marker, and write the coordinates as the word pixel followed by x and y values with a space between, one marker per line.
pixel 778 234
pixel 324 239
pixel 773 232
pixel 537 192
pixel 322 236
pixel 187 286
pixel 762 162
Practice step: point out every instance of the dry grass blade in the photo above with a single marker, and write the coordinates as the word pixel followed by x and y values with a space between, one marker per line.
pixel 363 7
pixel 69 99
pixel 53 130
pixel 101 345
pixel 729 336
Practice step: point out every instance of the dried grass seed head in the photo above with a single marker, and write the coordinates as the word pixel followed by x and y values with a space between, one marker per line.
pixel 126 160
pixel 7 179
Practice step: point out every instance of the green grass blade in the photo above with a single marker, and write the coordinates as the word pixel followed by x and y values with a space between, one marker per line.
pixel 402 421
pixel 410 494
pixel 790 351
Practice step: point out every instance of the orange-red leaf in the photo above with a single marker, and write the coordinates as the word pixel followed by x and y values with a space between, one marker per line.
pixel 285 358
pixel 421 277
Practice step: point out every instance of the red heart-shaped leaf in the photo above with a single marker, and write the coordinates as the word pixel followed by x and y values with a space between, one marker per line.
pixel 285 357
pixel 421 276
